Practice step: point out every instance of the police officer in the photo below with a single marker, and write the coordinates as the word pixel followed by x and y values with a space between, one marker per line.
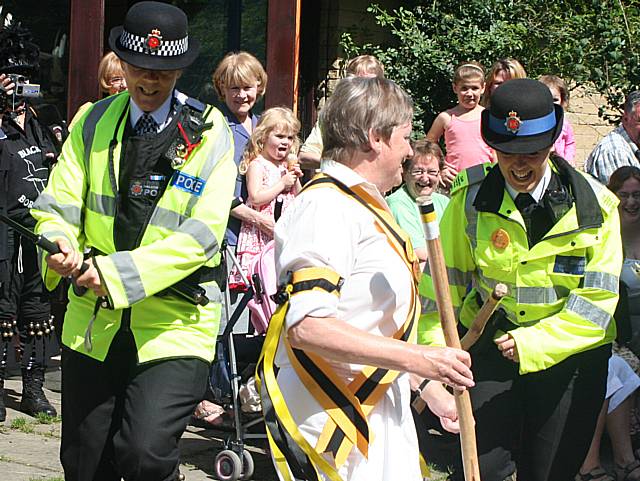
pixel 552 235
pixel 26 150
pixel 144 184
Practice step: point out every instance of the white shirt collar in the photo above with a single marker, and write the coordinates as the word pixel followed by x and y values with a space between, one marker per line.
pixel 350 178
pixel 344 174
pixel 161 114
pixel 538 191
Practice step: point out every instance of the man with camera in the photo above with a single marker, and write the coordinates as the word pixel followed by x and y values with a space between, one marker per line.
pixel 26 152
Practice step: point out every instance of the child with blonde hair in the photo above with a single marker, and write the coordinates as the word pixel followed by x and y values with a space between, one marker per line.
pixel 565 146
pixel 461 124
pixel 272 174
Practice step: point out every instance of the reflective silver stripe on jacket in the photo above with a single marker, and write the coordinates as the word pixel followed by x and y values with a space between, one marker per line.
pixel 602 280
pixel 101 204
pixel 587 310
pixel 535 295
pixel 222 145
pixel 472 215
pixel 528 294
pixel 71 214
pixel 427 305
pixel 129 276
pixel 456 276
pixel 166 218
pixel 202 234
pixel 89 127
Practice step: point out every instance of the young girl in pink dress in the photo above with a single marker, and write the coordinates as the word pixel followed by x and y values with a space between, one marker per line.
pixel 461 124
pixel 565 146
pixel 272 181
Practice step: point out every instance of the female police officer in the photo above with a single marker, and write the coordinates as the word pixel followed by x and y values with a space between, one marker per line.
pixel 552 235
pixel 145 181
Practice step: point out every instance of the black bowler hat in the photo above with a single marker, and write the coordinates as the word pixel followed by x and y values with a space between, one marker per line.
pixel 522 118
pixel 155 37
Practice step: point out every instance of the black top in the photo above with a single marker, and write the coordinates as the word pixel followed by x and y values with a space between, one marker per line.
pixel 23 166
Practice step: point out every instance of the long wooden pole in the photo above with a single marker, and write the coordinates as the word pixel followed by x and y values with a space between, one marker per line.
pixel 440 279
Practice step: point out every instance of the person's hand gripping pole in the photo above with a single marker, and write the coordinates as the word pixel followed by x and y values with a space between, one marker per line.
pixel 440 279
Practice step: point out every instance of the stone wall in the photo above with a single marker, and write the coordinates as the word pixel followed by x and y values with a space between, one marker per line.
pixel 588 127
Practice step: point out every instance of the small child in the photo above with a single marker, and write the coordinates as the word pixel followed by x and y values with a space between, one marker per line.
pixel 272 181
pixel 461 124
pixel 565 146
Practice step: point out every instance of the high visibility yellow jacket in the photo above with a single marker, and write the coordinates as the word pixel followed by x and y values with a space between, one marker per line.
pixel 561 293
pixel 184 233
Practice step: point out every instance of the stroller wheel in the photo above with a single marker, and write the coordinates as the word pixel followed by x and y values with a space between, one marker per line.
pixel 247 465
pixel 228 466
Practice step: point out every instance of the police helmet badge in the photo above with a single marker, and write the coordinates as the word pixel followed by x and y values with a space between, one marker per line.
pixel 154 40
pixel 513 122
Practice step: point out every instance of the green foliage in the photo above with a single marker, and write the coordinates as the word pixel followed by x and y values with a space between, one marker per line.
pixel 587 42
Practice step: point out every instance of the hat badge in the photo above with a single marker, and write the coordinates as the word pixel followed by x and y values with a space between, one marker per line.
pixel 513 122
pixel 154 40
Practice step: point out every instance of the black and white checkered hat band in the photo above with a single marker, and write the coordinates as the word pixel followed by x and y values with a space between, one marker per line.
pixel 167 48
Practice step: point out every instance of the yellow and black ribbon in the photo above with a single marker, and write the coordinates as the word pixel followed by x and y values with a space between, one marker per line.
pixel 347 405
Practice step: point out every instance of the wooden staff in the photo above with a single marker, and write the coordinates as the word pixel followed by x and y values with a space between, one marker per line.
pixel 440 280
pixel 479 323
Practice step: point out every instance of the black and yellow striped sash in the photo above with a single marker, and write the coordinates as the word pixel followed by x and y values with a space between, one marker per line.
pixel 347 405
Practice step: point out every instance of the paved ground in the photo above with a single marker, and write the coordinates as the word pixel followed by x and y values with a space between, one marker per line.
pixel 29 449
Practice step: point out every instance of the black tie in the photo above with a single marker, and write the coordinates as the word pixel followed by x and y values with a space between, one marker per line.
pixel 527 205
pixel 523 202
pixel 146 125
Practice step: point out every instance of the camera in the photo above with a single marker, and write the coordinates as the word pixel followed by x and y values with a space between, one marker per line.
pixel 23 88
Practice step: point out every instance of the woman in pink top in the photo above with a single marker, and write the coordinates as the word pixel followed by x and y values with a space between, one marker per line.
pixel 461 124
pixel 565 146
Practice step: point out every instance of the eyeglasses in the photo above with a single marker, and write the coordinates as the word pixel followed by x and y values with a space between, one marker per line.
pixel 629 195
pixel 116 81
pixel 421 172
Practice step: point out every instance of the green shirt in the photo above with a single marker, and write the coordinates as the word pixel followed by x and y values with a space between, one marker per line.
pixel 407 214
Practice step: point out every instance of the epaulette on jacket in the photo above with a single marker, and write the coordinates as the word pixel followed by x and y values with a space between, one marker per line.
pixel 470 176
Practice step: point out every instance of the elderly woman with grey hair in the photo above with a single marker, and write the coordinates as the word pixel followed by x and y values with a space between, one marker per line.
pixel 335 369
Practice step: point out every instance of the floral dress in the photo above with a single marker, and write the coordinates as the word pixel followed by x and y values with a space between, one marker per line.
pixel 252 239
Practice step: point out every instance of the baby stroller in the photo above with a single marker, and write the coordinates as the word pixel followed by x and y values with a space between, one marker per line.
pixel 235 462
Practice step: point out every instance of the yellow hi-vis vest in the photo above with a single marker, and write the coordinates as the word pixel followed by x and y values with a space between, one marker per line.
pixel 561 293
pixel 184 233
pixel 347 405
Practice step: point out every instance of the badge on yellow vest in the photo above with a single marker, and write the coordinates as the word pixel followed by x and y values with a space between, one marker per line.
pixel 500 238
